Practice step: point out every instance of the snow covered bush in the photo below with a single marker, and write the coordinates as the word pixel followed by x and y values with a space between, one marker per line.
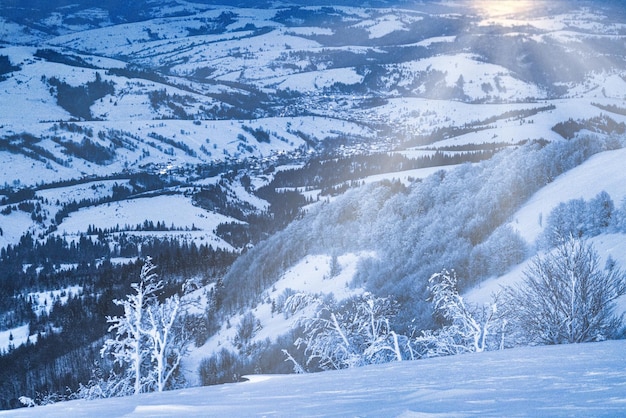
pixel 246 329
pixel 222 367
pixel 257 357
pixel 465 328
pixel 98 386
pixel 566 297
pixel 353 334
pixel 27 402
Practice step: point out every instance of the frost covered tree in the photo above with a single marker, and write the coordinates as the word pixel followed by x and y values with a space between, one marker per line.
pixel 579 218
pixel 150 337
pixel 493 257
pixel 566 297
pixel 351 335
pixel 466 328
pixel 381 343
pixel 129 348
pixel 620 217
pixel 168 340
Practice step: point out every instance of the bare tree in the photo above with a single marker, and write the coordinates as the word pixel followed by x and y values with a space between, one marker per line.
pixel 150 338
pixel 466 327
pixel 566 297
pixel 128 348
pixel 351 335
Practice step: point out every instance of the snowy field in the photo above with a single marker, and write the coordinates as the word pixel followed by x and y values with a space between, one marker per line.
pixel 579 380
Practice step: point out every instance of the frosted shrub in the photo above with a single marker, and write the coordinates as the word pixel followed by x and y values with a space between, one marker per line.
pixel 566 297
pixel 466 328
pixel 354 334
pixel 150 338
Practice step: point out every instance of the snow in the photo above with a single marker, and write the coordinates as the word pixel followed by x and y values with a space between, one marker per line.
pixel 602 172
pixel 44 301
pixel 436 39
pixel 568 380
pixel 42 304
pixel 176 210
pixel 474 74
pixel 422 116
pixel 31 100
pixel 13 33
pixel 15 337
pixel 528 12
pixel 408 176
pixel 456 386
pixel 13 227
pixel 99 189
pixel 605 245
pixel 386 24
pixel 310 275
pixel 316 80
pixel 309 31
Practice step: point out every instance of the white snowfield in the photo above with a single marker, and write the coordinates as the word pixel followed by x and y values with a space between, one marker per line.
pixel 580 380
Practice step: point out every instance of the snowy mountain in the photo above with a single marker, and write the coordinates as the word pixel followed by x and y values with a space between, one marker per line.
pixel 260 151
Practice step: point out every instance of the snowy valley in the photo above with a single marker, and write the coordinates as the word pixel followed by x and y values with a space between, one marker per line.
pixel 289 163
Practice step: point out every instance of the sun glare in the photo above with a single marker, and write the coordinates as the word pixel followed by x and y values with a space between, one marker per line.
pixel 504 8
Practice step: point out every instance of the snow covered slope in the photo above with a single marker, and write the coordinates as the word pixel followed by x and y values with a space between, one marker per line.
pixel 603 172
pixel 165 120
pixel 577 380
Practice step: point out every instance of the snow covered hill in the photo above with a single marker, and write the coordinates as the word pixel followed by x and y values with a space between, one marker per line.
pixel 173 86
pixel 603 172
pixel 198 132
pixel 577 380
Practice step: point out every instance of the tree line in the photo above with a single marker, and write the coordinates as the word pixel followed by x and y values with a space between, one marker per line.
pixel 325 172
pixel 565 296
pixel 77 100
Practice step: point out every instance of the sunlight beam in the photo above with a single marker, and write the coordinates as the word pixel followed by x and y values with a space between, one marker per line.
pixel 503 8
